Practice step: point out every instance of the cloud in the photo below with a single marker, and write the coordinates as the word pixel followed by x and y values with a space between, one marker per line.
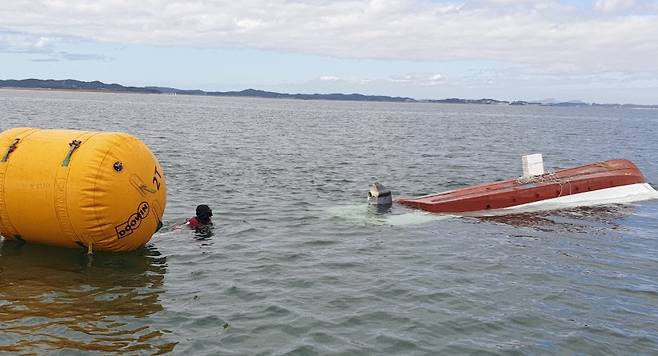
pixel 83 57
pixel 537 33
pixel 329 78
pixel 409 79
pixel 421 79
pixel 613 5
pixel 24 43
pixel 11 42
pixel 45 60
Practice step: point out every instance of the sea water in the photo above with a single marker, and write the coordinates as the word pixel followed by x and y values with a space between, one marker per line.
pixel 298 263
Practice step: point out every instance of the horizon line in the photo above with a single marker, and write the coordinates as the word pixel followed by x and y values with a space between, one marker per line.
pixel 153 89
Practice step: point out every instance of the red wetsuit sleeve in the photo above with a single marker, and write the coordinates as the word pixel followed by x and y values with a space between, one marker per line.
pixel 193 223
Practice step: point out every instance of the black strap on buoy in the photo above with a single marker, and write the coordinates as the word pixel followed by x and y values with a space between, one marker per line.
pixel 160 225
pixel 74 145
pixel 19 239
pixel 10 149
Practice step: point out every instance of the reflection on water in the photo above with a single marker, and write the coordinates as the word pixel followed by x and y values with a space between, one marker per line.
pixel 203 233
pixel 379 209
pixel 568 220
pixel 63 299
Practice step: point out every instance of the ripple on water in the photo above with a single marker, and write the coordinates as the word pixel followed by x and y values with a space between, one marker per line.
pixel 297 262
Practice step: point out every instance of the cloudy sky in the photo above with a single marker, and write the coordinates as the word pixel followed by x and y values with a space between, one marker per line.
pixel 601 50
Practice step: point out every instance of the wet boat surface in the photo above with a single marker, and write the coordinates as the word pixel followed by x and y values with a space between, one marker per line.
pixel 521 191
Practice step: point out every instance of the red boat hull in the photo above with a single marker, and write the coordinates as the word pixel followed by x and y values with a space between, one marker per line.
pixel 513 192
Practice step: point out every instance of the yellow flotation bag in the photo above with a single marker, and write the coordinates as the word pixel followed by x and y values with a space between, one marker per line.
pixel 97 190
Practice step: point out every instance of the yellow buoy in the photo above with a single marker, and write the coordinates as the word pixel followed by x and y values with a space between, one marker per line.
pixel 100 190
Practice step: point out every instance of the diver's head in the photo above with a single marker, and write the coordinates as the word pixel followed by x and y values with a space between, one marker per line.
pixel 203 212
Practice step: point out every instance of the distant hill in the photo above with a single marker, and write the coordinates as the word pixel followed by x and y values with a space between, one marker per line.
pixel 336 96
pixel 164 90
pixel 469 101
pixel 71 84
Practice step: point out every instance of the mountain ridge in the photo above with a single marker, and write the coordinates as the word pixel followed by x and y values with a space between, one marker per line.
pixel 73 84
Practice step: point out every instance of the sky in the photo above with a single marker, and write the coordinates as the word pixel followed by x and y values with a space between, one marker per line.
pixel 603 51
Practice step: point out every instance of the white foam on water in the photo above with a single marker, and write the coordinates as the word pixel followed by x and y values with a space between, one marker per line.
pixel 414 218
pixel 364 214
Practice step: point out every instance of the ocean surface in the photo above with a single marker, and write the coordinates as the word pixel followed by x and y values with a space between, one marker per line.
pixel 298 264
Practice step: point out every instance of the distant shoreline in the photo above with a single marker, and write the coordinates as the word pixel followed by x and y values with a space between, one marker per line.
pixel 100 87
pixel 74 90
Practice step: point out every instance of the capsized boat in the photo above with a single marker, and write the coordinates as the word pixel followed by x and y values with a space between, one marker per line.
pixel 606 182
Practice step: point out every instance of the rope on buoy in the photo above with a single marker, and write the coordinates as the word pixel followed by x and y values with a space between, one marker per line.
pixel 74 145
pixel 10 149
pixel 147 189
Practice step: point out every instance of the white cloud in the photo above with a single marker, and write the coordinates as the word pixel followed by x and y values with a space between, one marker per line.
pixel 613 5
pixel 329 78
pixel 420 79
pixel 11 42
pixel 83 56
pixel 436 77
pixel 539 33
pixel 18 42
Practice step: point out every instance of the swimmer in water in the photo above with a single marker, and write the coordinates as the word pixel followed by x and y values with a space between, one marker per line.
pixel 202 218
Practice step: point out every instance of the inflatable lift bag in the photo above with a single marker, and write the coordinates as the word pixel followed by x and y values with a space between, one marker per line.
pixel 100 190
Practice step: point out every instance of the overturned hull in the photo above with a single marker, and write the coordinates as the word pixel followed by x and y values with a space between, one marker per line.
pixel 614 181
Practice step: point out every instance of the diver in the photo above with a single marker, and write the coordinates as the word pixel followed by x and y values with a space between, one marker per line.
pixel 202 219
